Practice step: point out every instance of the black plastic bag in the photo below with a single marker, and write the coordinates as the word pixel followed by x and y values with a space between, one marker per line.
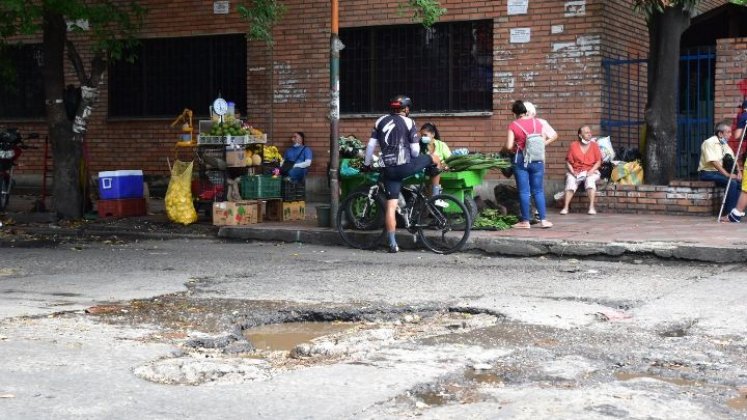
pixel 605 170
pixel 508 172
pixel 728 163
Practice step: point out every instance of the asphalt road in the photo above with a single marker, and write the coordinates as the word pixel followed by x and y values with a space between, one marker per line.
pixel 464 335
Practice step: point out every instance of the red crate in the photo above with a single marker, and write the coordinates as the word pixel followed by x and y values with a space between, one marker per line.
pixel 126 207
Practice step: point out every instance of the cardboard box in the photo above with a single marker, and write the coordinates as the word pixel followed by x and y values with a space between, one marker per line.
pixel 228 213
pixel 235 157
pixel 116 185
pixel 272 210
pixel 294 210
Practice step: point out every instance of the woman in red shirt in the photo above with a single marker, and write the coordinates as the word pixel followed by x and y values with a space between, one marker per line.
pixel 529 177
pixel 583 161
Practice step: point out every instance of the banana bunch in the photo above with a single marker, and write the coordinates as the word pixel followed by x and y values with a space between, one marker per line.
pixel 272 154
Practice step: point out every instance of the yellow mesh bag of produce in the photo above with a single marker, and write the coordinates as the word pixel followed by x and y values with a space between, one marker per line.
pixel 179 207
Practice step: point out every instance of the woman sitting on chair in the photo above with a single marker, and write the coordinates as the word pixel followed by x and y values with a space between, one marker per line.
pixel 297 159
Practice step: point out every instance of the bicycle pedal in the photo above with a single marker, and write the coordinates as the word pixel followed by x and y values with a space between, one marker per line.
pixel 414 238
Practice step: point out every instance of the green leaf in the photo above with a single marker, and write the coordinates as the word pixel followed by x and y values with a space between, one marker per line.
pixel 261 16
pixel 425 11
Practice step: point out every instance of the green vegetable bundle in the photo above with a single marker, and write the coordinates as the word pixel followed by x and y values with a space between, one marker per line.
pixel 491 219
pixel 476 161
pixel 350 146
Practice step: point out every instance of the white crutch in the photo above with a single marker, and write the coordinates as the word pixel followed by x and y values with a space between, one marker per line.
pixel 734 167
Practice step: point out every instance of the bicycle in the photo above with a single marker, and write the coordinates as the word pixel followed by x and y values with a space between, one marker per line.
pixel 11 147
pixel 441 222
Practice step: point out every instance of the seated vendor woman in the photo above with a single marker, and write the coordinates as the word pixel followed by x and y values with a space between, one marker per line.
pixel 297 158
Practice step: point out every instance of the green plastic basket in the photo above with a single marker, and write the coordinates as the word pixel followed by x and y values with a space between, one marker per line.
pixel 462 179
pixel 259 186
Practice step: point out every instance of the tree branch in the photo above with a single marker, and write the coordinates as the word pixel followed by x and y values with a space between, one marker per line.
pixel 74 57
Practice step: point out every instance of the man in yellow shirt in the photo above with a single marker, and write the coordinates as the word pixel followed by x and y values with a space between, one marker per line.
pixel 710 167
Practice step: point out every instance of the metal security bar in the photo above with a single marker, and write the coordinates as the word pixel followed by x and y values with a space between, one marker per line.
pixel 695 115
pixel 171 74
pixel 445 68
pixel 22 83
pixel 624 99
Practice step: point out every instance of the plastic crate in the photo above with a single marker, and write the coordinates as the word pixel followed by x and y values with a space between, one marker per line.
pixel 210 186
pixel 292 191
pixel 259 186
pixel 127 207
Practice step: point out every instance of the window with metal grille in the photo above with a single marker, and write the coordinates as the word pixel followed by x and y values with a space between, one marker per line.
pixel 22 84
pixel 170 74
pixel 445 68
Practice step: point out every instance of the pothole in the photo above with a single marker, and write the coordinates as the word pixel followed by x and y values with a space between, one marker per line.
pixel 740 402
pixel 679 329
pixel 460 388
pixel 287 336
pixel 251 352
pixel 628 376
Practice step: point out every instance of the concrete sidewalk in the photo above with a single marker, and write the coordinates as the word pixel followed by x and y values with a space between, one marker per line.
pixel 611 235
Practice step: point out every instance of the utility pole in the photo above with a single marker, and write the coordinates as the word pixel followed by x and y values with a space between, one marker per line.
pixel 335 46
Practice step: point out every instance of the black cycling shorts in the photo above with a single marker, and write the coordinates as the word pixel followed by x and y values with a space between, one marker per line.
pixel 393 176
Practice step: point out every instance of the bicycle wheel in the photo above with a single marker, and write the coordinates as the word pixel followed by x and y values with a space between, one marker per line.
pixel 355 208
pixel 444 224
pixel 4 192
pixel 360 220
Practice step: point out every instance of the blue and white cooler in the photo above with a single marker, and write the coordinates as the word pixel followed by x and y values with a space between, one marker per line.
pixel 116 185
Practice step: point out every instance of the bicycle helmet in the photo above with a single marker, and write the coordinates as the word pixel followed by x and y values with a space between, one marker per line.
pixel 400 102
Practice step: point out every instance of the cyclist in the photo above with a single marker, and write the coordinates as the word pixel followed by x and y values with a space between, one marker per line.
pixel 399 143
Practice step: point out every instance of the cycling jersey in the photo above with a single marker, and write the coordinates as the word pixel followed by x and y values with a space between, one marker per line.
pixel 397 138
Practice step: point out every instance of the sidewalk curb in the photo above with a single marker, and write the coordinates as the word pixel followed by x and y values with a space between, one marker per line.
pixel 500 245
pixel 515 247
pixel 87 232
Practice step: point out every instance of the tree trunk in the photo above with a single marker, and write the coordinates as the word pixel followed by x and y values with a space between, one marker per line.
pixel 66 151
pixel 665 30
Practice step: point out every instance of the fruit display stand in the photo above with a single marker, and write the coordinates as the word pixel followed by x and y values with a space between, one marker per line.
pixel 220 158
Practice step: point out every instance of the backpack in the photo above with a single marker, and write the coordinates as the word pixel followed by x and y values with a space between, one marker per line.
pixel 534 148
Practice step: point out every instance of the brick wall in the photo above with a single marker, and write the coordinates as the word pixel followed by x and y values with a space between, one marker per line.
pixel 680 198
pixel 288 84
pixel 731 68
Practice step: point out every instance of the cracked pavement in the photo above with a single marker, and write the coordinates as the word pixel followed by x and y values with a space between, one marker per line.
pixel 466 335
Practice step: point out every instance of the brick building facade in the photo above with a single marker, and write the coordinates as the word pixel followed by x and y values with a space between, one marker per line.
pixel 558 67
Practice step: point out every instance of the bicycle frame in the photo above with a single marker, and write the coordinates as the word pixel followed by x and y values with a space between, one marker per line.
pixel 412 210
pixel 432 220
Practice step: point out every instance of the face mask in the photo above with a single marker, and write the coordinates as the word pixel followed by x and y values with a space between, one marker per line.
pixel 425 139
pixel 722 140
pixel 585 142
pixel 296 144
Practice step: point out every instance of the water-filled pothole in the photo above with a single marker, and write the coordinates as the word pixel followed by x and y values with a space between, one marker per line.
pixel 627 376
pixel 285 337
pixel 740 402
